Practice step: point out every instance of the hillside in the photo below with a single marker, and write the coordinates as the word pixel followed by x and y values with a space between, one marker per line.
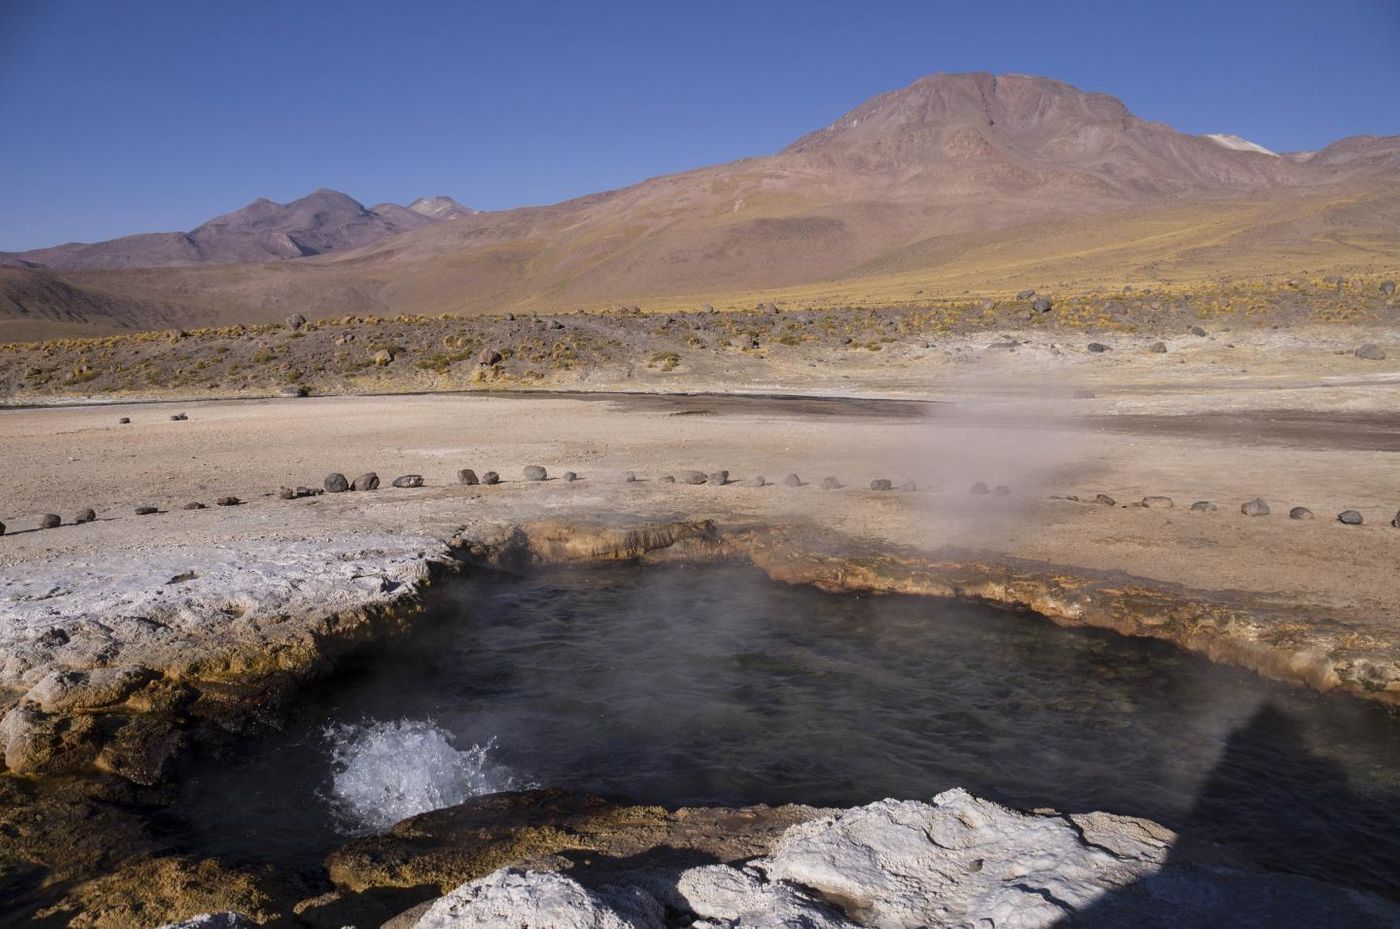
pixel 959 182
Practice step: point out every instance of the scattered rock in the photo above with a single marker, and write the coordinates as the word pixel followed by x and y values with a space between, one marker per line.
pixel 881 484
pixel 569 477
pixel 1025 294
pixel 296 321
pixel 1255 507
pixel 830 483
pixel 292 391
pixel 1204 506
pixel 367 481
pixel 1001 490
pixel 631 478
pixel 411 480
pixel 1042 305
pixel 335 483
pixel 286 493
pixel 2 528
pixel 1158 503
pixel 756 481
pixel 146 510
pixel 1388 288
pixel 719 478
pixel 488 357
pixel 193 505
pixel 1197 330
pixel 125 420
pixel 1105 499
pixel 909 487
pixel 179 417
pixel 1394 522
pixel 1300 512
pixel 228 501
pixel 1158 348
pixel 383 358
pixel 691 477
pixel 490 477
pixel 1097 348
pixel 1371 352
pixel 792 480
pixel 979 489
pixel 466 476
pixel 664 479
pixel 535 473
pixel 1350 518
pixel 50 521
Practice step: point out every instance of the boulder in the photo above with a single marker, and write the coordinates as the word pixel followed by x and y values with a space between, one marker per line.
pixel 1158 348
pixel 229 500
pixel 490 477
pixel 50 521
pixel 1371 352
pixel 792 480
pixel 466 476
pixel 718 478
pixel 1158 503
pixel 409 480
pixel 1105 500
pixel 1025 294
pixel 335 483
pixel 296 321
pixel 367 481
pixel 691 477
pixel 292 391
pixel 382 358
pixel 1197 330
pixel 830 483
pixel 881 483
pixel 1097 348
pixel 146 510
pixel 488 357
pixel 1042 305
pixel 535 473
pixel 1350 518
pixel 1204 506
pixel 979 489
pixel 569 477
pixel 179 417
pixel 1300 512
pixel 1255 507
pixel 125 420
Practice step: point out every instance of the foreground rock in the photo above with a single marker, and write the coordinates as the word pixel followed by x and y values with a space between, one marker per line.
pixel 956 862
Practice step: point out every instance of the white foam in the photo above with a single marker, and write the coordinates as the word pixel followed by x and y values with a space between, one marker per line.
pixel 388 771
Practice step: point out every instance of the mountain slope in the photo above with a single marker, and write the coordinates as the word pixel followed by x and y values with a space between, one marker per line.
pixel 971 181
pixel 323 221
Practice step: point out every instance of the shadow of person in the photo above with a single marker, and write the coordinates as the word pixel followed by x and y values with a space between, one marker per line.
pixel 1277 837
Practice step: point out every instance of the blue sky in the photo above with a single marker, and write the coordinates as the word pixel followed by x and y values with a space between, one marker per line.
pixel 145 115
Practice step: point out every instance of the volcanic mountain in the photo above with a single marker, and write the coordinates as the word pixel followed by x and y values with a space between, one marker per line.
pixel 958 182
pixel 323 221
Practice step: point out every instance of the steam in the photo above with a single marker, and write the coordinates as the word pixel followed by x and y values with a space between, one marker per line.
pixel 384 772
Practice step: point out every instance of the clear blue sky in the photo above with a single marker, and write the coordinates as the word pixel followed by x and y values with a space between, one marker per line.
pixel 121 117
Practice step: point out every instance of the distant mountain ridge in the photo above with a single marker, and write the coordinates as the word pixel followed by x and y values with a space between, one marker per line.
pixel 323 221
pixel 957 181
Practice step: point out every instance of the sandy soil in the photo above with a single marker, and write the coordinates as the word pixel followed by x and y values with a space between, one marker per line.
pixel 1269 435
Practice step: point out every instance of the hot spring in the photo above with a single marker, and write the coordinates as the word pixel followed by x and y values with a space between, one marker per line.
pixel 714 685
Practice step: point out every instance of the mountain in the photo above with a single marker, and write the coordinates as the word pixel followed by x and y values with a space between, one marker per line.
pixel 324 221
pixel 956 183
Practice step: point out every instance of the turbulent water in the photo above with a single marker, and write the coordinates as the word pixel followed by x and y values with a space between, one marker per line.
pixel 686 685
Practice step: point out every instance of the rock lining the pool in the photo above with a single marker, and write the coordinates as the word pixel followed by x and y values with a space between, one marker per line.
pixel 957 861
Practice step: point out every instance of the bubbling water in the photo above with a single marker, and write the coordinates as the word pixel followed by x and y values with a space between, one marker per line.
pixel 384 772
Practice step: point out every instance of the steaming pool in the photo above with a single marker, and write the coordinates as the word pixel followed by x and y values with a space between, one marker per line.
pixel 714 685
